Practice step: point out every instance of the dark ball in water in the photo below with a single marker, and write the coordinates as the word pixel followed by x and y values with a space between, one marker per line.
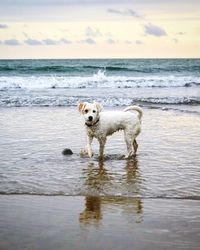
pixel 67 151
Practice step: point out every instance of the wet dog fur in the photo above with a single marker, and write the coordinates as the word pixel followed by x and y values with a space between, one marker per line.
pixel 100 124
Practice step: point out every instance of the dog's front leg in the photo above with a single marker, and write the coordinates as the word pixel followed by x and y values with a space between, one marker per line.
pixel 89 147
pixel 102 143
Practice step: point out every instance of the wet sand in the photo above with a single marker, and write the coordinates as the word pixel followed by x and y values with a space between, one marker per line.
pixel 39 222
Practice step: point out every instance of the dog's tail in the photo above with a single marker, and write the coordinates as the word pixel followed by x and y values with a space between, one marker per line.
pixel 136 108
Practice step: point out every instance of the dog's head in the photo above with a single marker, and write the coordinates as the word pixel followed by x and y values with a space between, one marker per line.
pixel 90 111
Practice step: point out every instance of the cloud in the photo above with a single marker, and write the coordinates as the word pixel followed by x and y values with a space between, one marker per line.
pixel 138 42
pixel 59 2
pixel 154 30
pixel 111 41
pixel 65 41
pixel 130 12
pixel 114 11
pixel 12 42
pixel 128 42
pixel 83 2
pixel 92 32
pixel 88 41
pixel 36 42
pixel 3 26
pixel 49 41
pixel 180 33
pixel 33 42
pixel 127 12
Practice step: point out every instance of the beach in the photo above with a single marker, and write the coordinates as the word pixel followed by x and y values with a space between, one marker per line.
pixel 53 201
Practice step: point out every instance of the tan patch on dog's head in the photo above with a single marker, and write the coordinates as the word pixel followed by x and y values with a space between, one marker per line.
pixel 81 107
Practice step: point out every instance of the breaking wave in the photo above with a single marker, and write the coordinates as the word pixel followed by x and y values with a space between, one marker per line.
pixel 98 80
pixel 45 101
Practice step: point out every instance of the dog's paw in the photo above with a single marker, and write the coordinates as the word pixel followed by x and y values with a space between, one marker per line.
pixel 90 154
pixel 129 156
pixel 83 153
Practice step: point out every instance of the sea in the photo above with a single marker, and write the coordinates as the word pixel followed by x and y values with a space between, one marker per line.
pixel 153 83
pixel 39 118
pixel 49 200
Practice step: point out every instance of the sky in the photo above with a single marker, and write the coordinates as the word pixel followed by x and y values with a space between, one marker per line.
pixel 99 29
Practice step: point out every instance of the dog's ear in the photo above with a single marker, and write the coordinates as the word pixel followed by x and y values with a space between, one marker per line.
pixel 81 107
pixel 99 106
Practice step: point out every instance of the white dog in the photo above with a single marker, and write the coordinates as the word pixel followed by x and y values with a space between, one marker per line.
pixel 102 124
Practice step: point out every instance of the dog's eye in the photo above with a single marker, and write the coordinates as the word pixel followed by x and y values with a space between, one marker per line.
pixel 94 111
pixel 86 111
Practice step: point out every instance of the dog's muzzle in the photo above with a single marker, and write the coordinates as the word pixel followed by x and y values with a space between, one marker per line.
pixel 91 124
pixel 90 118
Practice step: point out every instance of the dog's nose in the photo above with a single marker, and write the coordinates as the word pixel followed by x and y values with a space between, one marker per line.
pixel 90 118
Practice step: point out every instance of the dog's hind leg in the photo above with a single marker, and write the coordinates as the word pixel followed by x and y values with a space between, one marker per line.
pixel 129 144
pixel 135 146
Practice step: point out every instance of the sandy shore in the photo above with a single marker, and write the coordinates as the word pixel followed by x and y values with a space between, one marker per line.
pixel 41 222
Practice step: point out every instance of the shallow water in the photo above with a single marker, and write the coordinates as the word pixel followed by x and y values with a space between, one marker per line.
pixel 32 139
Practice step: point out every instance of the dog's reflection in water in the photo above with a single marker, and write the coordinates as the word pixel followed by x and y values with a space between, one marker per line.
pixel 98 178
pixel 92 212
pixel 95 180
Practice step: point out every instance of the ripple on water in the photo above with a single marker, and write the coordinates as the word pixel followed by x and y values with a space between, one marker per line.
pixel 167 163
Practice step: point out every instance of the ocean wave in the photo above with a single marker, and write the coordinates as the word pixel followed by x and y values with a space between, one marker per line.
pixel 112 68
pixel 146 66
pixel 65 69
pixel 98 80
pixel 55 101
pixel 38 69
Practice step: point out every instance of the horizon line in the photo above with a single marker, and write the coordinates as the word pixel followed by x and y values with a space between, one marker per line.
pixel 103 58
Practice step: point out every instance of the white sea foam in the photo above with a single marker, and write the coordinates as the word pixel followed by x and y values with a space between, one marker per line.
pixel 27 101
pixel 98 80
pixel 38 90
